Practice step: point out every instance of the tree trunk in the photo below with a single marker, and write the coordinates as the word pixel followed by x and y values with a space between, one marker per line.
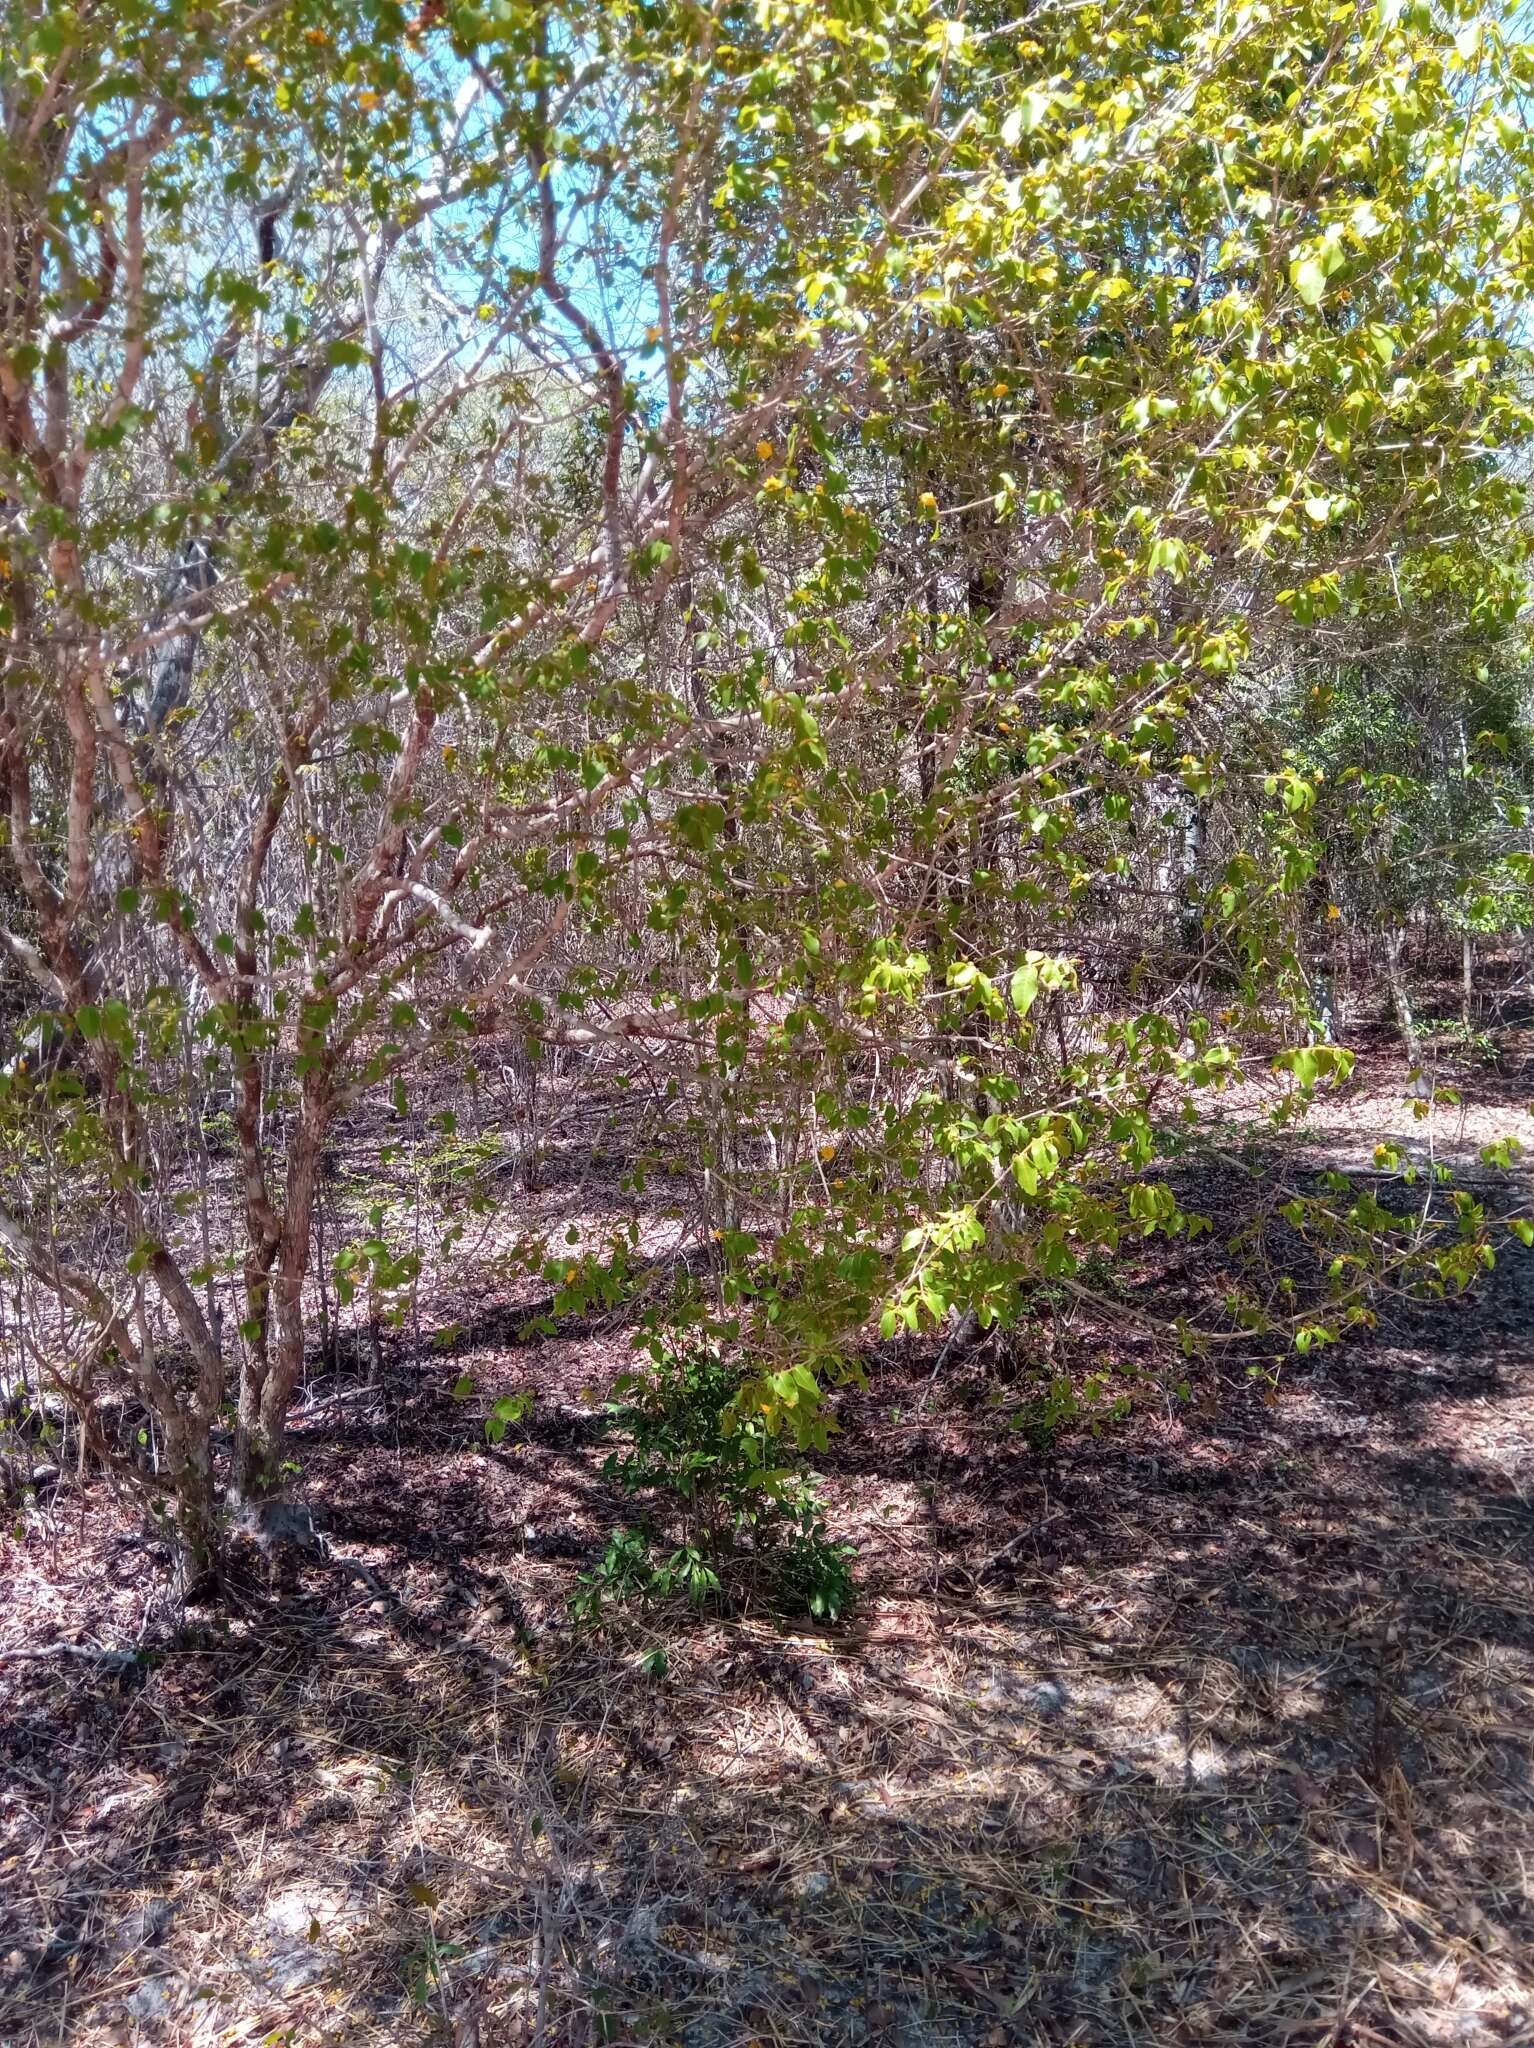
pixel 271 1375
pixel 198 1536
pixel 1400 1000
pixel 1324 997
pixel 1467 978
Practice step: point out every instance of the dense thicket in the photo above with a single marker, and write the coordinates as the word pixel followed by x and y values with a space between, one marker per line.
pixel 897 579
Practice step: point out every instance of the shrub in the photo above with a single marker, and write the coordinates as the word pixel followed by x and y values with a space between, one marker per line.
pixel 735 1522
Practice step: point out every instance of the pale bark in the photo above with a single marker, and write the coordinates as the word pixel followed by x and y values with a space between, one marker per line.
pixel 1400 998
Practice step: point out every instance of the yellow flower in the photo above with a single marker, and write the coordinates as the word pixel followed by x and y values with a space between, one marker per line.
pixel 927 502
pixel 764 450
pixel 1001 390
pixel 828 1151
pixel 1333 910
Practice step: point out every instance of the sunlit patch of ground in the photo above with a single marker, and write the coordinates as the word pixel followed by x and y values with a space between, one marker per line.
pixel 1213 1728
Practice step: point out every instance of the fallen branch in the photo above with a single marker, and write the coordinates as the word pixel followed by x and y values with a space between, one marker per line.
pixel 117 1660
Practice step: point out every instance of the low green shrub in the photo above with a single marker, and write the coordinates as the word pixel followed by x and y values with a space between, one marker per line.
pixel 725 1520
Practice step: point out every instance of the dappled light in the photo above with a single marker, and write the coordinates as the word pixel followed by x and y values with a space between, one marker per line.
pixel 1205 1727
pixel 766 1024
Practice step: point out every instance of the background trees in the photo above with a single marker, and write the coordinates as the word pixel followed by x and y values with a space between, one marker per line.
pixel 784 545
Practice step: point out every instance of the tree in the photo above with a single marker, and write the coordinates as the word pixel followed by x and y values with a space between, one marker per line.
pixel 707 534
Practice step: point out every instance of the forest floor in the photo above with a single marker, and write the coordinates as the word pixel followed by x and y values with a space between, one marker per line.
pixel 1212 1727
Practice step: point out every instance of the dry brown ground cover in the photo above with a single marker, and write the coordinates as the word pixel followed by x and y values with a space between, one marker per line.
pixel 1213 1727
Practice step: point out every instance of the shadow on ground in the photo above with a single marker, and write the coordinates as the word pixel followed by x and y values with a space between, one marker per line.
pixel 1213 1729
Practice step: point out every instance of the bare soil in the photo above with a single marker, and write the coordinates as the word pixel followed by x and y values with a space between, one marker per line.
pixel 1212 1726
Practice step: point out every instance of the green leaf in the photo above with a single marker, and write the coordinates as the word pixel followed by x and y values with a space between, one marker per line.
pixel 1024 989
pixel 1169 557
pixel 1025 117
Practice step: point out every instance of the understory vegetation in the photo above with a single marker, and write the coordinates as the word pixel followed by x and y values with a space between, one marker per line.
pixel 766 787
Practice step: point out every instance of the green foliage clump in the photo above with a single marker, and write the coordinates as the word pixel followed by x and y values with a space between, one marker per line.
pixel 1459 1040
pixel 736 1522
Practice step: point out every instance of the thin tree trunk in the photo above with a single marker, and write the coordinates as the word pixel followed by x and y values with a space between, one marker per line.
pixel 268 1382
pixel 329 1339
pixel 1400 1000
